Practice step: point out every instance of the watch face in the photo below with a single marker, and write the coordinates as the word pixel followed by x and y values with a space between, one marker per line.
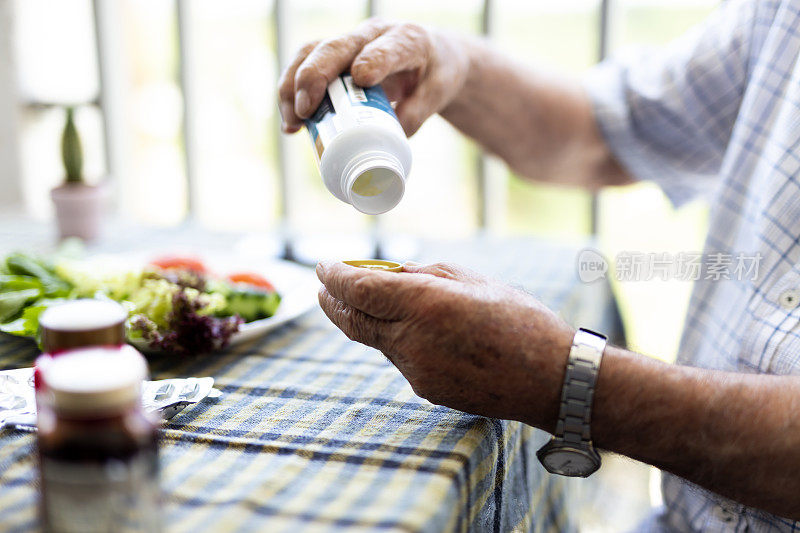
pixel 569 462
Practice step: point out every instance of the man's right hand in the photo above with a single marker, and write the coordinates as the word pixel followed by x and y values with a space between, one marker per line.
pixel 422 70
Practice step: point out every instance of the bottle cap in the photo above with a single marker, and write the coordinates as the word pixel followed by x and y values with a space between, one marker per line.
pixel 94 380
pixel 375 264
pixel 82 323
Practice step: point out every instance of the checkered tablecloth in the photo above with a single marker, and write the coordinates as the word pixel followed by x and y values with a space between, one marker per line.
pixel 314 432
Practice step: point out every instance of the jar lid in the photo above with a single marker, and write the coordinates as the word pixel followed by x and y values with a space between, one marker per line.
pixel 375 264
pixel 94 380
pixel 82 322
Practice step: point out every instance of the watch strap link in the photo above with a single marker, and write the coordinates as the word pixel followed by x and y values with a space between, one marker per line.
pixel 575 412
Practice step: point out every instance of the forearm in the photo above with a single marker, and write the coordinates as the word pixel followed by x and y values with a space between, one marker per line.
pixel 541 125
pixel 735 434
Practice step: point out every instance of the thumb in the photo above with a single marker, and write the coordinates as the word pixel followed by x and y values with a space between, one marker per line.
pixel 440 270
pixel 420 104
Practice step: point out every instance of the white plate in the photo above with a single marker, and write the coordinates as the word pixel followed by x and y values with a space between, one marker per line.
pixel 297 285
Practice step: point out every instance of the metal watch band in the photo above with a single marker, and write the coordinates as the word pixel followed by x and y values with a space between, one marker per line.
pixel 575 413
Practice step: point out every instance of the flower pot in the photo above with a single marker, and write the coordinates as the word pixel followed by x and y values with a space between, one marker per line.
pixel 80 209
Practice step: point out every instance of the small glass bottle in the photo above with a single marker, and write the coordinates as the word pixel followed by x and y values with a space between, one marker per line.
pixel 83 322
pixel 363 154
pixel 98 449
pixel 76 324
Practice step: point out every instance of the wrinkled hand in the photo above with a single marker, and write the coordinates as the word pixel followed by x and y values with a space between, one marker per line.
pixel 461 340
pixel 420 69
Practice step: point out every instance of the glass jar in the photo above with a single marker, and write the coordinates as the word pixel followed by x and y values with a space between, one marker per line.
pixel 76 324
pixel 79 323
pixel 98 449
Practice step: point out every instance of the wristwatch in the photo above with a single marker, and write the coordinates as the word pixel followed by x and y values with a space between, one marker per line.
pixel 570 452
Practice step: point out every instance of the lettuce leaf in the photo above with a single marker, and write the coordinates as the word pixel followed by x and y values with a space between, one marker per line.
pixel 189 329
pixel 13 302
pixel 27 325
pixel 26 265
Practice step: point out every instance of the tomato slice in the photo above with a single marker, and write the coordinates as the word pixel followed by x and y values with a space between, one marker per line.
pixel 176 262
pixel 252 279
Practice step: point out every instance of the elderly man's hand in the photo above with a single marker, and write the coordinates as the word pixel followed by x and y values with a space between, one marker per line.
pixel 461 340
pixel 420 69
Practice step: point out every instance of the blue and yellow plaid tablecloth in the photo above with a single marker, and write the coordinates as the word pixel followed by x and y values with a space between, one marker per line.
pixel 316 433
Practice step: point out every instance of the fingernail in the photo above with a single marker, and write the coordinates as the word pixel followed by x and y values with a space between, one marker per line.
pixel 409 266
pixel 302 103
pixel 321 272
pixel 360 72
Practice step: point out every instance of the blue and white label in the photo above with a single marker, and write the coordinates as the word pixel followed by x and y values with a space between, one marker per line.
pixel 367 96
pixel 347 105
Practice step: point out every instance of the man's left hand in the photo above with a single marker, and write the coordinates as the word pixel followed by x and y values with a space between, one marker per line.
pixel 460 339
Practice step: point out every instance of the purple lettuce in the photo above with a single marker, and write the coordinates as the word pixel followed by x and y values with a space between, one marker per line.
pixel 188 332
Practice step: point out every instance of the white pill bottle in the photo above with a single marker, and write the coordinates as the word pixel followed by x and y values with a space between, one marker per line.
pixel 363 154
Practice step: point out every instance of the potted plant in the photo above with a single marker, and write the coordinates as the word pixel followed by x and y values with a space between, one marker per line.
pixel 79 206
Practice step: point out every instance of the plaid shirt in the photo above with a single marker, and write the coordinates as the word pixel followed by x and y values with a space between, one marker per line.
pixel 717 113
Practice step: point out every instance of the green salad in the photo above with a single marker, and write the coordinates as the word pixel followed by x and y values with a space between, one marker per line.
pixel 174 303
